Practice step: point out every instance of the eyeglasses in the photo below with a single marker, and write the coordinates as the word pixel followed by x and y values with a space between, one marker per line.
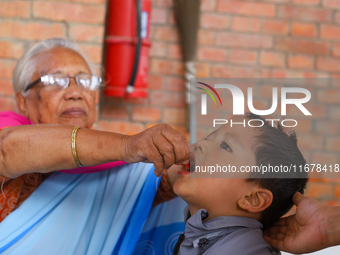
pixel 61 81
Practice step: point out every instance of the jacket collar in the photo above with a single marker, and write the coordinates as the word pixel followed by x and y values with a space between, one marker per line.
pixel 195 227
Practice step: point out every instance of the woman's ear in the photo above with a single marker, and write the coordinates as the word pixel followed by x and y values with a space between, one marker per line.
pixel 259 200
pixel 21 102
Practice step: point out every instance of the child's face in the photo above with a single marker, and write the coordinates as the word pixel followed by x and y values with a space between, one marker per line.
pixel 225 146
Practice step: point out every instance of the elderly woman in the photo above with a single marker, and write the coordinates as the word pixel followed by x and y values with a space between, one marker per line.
pixel 62 213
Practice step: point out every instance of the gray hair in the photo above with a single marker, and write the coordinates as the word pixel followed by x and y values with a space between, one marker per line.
pixel 25 67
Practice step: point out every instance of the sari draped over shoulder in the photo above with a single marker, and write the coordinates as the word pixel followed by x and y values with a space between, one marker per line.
pixel 106 212
pixel 98 213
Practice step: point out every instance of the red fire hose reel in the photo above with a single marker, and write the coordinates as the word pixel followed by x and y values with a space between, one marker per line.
pixel 128 33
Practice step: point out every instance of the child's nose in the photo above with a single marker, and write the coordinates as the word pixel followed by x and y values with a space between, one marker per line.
pixel 200 146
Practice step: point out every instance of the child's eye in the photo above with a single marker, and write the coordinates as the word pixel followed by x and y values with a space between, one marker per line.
pixel 225 146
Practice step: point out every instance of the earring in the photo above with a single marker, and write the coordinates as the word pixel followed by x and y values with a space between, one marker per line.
pixel 241 205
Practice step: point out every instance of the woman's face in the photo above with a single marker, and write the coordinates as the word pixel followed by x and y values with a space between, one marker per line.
pixel 70 106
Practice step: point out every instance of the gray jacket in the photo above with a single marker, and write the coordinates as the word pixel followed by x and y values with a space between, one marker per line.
pixel 222 235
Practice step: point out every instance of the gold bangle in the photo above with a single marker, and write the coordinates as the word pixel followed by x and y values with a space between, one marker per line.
pixel 74 151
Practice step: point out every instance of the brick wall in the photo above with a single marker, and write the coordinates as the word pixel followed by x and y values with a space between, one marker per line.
pixel 237 38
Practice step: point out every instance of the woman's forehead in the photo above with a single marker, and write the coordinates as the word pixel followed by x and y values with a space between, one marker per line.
pixel 60 60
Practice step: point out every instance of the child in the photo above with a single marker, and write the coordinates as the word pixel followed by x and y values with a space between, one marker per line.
pixel 226 215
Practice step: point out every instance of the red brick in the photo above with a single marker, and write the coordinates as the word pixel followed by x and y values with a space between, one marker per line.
pixel 244 40
pixel 330 32
pixel 93 52
pixel 69 12
pixel 6 68
pixel 174 116
pixel 206 37
pixel 272 59
pixel 318 112
pixel 121 127
pixel 8 104
pixel 304 13
pixel 175 84
pixel 245 24
pixel 155 82
pixel 333 4
pixel 335 110
pixel 278 1
pixel 114 112
pixel 15 9
pixel 323 158
pixel 337 192
pixel 86 33
pixel 302 46
pixel 300 62
pixel 158 49
pixel 333 144
pixel 165 34
pixel 306 2
pixel 136 101
pixel 80 1
pixel 266 91
pixel 282 73
pixel 303 126
pixel 214 21
pixel 319 190
pixel 31 30
pixel 336 50
pixel 328 96
pixel 159 15
pixel 163 3
pixel 327 127
pixel 337 17
pixel 208 5
pixel 146 114
pixel 242 57
pixel 202 70
pixel 167 99
pixel 331 179
pixel 174 51
pixel 166 67
pixel 222 71
pixel 303 29
pixel 309 141
pixel 211 54
pixel 10 49
pixel 6 88
pixel 328 64
pixel 275 27
pixel 246 8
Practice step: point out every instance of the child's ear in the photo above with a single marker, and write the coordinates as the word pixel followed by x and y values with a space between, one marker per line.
pixel 257 201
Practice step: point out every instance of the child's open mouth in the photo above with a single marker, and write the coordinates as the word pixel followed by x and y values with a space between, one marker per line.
pixel 186 169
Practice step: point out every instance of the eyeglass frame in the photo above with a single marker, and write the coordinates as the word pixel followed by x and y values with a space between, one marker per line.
pixel 42 79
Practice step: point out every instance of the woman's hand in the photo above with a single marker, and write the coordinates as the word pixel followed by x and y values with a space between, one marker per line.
pixel 315 226
pixel 161 145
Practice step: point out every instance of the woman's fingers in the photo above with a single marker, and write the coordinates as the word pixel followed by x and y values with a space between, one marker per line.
pixel 166 150
pixel 161 145
pixel 180 144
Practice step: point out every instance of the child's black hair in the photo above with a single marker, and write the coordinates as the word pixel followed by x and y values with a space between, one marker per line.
pixel 274 147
